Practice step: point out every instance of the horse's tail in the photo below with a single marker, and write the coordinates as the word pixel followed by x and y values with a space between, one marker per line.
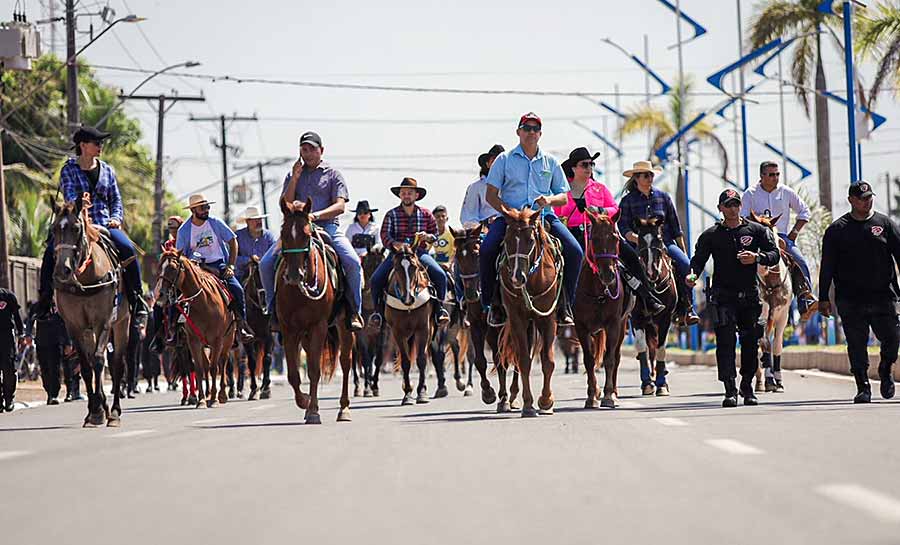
pixel 508 354
pixel 260 355
pixel 330 354
pixel 462 337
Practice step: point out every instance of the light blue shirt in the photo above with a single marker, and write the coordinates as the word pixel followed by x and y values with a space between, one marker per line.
pixel 522 180
pixel 223 233
pixel 475 207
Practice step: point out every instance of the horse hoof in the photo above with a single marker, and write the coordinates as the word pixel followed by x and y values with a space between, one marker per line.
pixel 313 418
pixel 591 403
pixel 231 395
pixel 488 395
pixel 514 405
pixel 344 415
pixel 529 412
pixel 193 400
pixel 546 412
pixel 223 399
pixel 503 407
pixel 422 399
pixel 265 393
pixel 662 391
pixel 407 400
pixel 545 404
pixel 770 385
pixel 184 401
pixel 469 392
pixel 375 392
pixel 441 392
pixel 98 419
pixel 460 385
pixel 113 422
pixel 212 403
pixel 779 387
pixel 356 391
pixel 367 392
pixel 647 389
pixel 240 394
pixel 252 396
pixel 608 403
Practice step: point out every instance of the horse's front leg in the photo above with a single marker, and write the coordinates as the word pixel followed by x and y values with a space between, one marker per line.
pixel 346 341
pixel 547 331
pixel 477 338
pixel 87 373
pixel 407 351
pixel 586 340
pixel 225 364
pixel 314 345
pixel 420 343
pixel 254 353
pixel 519 338
pixel 292 355
pixel 117 368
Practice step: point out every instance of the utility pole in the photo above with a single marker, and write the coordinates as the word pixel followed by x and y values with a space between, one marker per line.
pixel 158 181
pixel 743 102
pixel 262 193
pixel 223 145
pixel 4 220
pixel 72 116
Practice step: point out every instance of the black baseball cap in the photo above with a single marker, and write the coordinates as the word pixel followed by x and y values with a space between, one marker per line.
pixel 729 195
pixel 861 190
pixel 310 137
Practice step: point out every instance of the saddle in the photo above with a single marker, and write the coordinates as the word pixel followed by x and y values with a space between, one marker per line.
pixel 223 289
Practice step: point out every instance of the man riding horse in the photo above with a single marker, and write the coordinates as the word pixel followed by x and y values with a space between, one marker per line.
pixel 87 174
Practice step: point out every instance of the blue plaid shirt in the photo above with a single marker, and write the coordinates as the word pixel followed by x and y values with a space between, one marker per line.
pixel 637 205
pixel 106 201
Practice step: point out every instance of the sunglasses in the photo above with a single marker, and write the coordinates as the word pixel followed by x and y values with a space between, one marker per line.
pixel 586 164
pixel 202 207
pixel 531 128
pixel 731 204
pixel 773 174
pixel 643 175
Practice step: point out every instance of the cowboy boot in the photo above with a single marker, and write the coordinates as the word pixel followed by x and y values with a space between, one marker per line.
pixel 441 315
pixel 139 309
pixel 641 287
pixel 803 293
pixel 354 318
pixel 245 332
pixel 685 308
pixel 496 313
pixel 564 311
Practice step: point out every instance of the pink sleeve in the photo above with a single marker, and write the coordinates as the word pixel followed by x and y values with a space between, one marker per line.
pixel 565 210
pixel 606 200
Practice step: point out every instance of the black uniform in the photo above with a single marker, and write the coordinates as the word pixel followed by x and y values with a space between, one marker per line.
pixel 859 256
pixel 10 328
pixel 734 301
pixel 51 340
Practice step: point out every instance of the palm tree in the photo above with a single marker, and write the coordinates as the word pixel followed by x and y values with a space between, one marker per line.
pixel 801 19
pixel 663 124
pixel 881 35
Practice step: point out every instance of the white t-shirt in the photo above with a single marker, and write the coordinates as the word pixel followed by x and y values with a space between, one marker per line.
pixel 356 229
pixel 204 242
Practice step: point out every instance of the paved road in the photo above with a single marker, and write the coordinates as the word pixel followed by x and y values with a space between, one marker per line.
pixel 803 467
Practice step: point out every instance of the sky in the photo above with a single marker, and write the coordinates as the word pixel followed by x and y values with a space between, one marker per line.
pixel 377 137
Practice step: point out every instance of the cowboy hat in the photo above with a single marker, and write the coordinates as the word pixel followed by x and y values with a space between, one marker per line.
pixel 250 213
pixel 495 150
pixel 86 133
pixel 362 207
pixel 576 156
pixel 642 166
pixel 196 200
pixel 409 183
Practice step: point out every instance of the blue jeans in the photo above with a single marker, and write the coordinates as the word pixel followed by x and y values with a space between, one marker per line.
pixel 682 268
pixel 435 273
pixel 798 257
pixel 234 288
pixel 490 249
pixel 346 254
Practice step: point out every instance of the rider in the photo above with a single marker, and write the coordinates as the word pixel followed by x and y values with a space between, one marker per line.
pixel 642 200
pixel 522 177
pixel 312 178
pixel 475 208
pixel 737 247
pixel 770 198
pixel 217 247
pixel 86 173
pixel 442 249
pixel 401 225
pixel 363 232
pixel 585 192
pixel 253 240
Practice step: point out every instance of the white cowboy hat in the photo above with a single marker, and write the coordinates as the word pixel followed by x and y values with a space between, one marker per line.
pixel 642 166
pixel 198 199
pixel 251 213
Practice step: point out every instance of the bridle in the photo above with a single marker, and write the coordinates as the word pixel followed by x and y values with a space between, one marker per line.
pixel 470 249
pixel 655 261
pixel 314 247
pixel 412 270
pixel 81 253
pixel 518 256
pixel 591 257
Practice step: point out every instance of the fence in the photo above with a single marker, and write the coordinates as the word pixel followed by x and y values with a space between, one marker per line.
pixel 24 275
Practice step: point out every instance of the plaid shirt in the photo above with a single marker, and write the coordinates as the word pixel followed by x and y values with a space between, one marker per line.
pixel 106 201
pixel 399 227
pixel 636 205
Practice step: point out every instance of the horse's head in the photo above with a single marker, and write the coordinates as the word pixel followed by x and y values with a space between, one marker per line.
pixel 296 239
pixel 72 234
pixel 170 276
pixel 467 251
pixel 408 276
pixel 603 252
pixel 772 274
pixel 651 246
pixel 521 243
pixel 373 258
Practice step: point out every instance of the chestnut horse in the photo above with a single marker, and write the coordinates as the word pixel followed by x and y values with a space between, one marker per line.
pixel 409 313
pixel 601 308
pixel 92 304
pixel 531 282
pixel 259 351
pixel 650 331
pixel 307 301
pixel 209 326
pixel 775 294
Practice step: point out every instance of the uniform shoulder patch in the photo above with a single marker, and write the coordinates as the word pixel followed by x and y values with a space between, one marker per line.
pixel 746 240
pixel 877 230
pixel 2 305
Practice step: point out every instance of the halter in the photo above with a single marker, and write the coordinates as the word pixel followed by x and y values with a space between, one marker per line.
pixel 84 260
pixel 663 276
pixel 469 276
pixel 591 258
pixel 522 292
pixel 312 292
pixel 408 280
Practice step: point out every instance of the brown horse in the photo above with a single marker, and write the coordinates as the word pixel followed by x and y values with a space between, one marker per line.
pixel 652 331
pixel 408 312
pixel 370 342
pixel 531 283
pixel 307 302
pixel 601 309
pixel 259 351
pixel 92 304
pixel 209 326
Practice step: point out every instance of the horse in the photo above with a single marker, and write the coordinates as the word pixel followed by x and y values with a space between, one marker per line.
pixel 202 302
pixel 91 302
pixel 445 338
pixel 775 295
pixel 651 331
pixel 409 313
pixel 307 301
pixel 531 271
pixel 467 249
pixel 259 351
pixel 601 310
pixel 369 353
pixel 567 340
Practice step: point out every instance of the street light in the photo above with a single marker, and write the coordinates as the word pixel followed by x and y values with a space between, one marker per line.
pixel 123 98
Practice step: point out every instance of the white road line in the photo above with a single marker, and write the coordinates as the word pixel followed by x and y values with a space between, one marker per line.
pixel 732 446
pixel 825 374
pixel 669 421
pixel 630 405
pixel 9 454
pixel 261 407
pixel 209 421
pixel 878 505
pixel 133 433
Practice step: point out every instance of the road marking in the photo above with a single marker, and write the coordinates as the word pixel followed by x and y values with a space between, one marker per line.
pixel 209 421
pixel 6 455
pixel 824 374
pixel 261 407
pixel 878 505
pixel 133 433
pixel 630 405
pixel 669 421
pixel 733 447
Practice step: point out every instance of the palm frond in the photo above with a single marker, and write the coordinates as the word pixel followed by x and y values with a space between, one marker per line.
pixel 645 118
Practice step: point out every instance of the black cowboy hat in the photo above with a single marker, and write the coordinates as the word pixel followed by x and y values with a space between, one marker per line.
pixel 495 150
pixel 409 183
pixel 362 207
pixel 576 156
pixel 87 133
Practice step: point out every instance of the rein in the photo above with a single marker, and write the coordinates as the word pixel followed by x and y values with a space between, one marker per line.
pixel 591 258
pixel 522 292
pixel 310 291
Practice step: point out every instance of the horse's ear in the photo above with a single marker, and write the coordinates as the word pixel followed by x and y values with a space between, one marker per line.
pixel 54 205
pixel 285 207
pixel 308 207
pixel 454 233
pixel 474 231
pixel 507 212
pixel 774 221
pixel 638 222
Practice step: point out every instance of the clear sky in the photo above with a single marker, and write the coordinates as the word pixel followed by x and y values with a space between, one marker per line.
pixel 378 137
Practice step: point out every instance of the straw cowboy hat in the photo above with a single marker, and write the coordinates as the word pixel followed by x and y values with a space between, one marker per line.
pixel 642 166
pixel 196 200
pixel 409 183
pixel 251 213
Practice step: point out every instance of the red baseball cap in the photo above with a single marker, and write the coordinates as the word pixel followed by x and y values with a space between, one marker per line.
pixel 530 116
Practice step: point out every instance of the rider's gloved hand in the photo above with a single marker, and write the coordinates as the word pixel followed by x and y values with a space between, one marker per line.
pixel 228 273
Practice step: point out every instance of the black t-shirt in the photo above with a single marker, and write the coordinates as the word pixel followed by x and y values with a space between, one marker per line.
pixel 859 257
pixel 93 176
pixel 10 319
pixel 723 244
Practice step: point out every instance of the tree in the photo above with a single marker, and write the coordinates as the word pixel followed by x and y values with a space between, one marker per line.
pixel 879 36
pixel 663 124
pixel 801 19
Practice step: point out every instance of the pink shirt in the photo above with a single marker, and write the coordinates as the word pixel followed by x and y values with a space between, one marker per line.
pixel 595 194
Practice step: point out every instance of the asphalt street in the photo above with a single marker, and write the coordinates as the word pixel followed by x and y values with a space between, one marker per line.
pixel 806 466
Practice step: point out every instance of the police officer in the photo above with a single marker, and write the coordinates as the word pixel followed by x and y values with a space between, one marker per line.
pixel 737 247
pixel 859 252
pixel 10 329
pixel 54 352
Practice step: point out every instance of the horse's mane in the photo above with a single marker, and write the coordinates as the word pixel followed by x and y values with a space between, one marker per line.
pixel 90 230
pixel 205 279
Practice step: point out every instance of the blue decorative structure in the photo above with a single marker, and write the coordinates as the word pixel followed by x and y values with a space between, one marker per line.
pixel 698 28
pixel 665 86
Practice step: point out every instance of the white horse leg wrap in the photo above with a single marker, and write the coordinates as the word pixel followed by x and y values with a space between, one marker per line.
pixel 661 351
pixel 640 341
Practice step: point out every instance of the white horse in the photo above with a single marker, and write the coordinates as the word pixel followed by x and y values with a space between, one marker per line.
pixel 775 293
